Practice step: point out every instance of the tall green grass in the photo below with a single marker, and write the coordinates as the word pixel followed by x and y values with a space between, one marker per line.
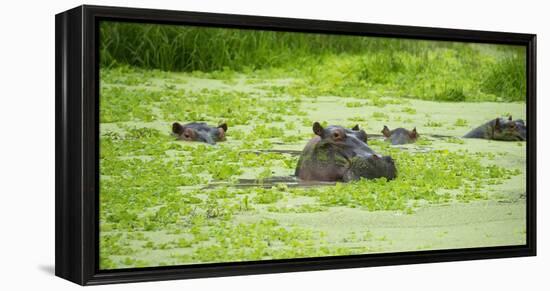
pixel 442 74
pixel 507 78
pixel 189 48
pixel 329 64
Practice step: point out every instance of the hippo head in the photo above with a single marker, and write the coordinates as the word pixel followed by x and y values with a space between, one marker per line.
pixel 352 154
pixel 196 131
pixel 358 133
pixel 509 129
pixel 400 135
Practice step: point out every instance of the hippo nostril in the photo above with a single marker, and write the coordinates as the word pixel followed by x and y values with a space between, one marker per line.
pixel 205 137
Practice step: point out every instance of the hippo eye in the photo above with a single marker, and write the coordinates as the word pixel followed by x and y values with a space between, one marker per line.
pixel 338 135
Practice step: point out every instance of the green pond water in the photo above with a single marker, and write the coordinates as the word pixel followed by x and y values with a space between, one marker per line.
pixel 168 202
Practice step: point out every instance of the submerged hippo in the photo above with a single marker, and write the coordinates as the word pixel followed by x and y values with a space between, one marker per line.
pixel 501 129
pixel 199 131
pixel 358 133
pixel 400 135
pixel 338 154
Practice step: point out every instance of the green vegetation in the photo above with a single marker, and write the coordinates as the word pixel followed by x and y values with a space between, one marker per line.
pixel 461 122
pixel 435 177
pixel 433 124
pixel 152 183
pixel 324 64
pixel 169 202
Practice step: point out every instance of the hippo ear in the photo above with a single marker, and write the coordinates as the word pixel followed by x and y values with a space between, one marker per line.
pixel 386 131
pixel 413 133
pixel 497 123
pixel 318 129
pixel 177 128
pixel 356 127
pixel 223 126
pixel 510 118
pixel 222 129
pixel 366 136
pixel 361 135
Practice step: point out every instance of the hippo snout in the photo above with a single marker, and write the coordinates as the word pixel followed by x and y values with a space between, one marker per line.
pixel 391 170
pixel 371 167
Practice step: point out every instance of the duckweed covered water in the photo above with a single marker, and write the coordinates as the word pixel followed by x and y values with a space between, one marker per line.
pixel 168 202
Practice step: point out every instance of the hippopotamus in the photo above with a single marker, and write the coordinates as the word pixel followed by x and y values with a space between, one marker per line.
pixel 400 135
pixel 199 131
pixel 340 154
pixel 358 133
pixel 501 129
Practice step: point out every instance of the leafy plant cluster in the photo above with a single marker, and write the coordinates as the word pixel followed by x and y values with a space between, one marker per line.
pixel 190 193
pixel 438 176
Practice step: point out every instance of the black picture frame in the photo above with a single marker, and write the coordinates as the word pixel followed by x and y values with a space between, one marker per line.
pixel 77 132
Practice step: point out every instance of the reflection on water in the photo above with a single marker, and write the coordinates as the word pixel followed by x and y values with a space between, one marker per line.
pixel 290 152
pixel 289 181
